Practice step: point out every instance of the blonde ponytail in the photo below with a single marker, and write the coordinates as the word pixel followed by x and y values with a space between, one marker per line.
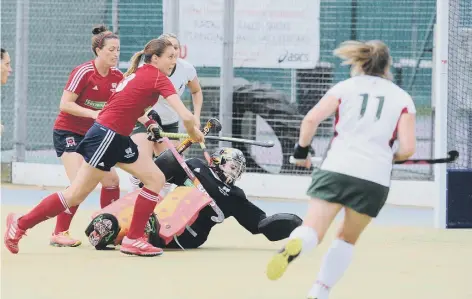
pixel 366 58
pixel 134 63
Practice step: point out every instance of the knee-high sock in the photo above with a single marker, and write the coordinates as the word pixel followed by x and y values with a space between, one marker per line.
pixel 49 207
pixel 109 195
pixel 335 263
pixel 308 236
pixel 143 208
pixel 64 219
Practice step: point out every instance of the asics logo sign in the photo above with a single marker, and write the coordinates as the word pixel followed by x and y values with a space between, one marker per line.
pixel 293 57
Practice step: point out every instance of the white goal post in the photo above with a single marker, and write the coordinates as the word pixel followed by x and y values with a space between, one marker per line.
pixel 440 101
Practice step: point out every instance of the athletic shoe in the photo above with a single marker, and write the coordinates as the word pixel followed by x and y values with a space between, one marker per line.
pixel 63 239
pixel 13 234
pixel 279 263
pixel 140 247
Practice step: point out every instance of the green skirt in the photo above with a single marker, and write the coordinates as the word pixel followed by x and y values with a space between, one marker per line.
pixel 362 196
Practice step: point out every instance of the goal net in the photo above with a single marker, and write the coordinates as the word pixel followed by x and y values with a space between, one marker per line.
pixel 459 112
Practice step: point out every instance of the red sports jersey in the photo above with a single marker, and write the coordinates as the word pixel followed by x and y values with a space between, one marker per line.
pixel 93 90
pixel 133 95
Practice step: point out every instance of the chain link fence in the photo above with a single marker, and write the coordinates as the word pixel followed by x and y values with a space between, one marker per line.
pixel 459 112
pixel 267 103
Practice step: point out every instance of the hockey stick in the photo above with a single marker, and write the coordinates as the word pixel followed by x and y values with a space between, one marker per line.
pixel 192 181
pixel 173 135
pixel 239 140
pixel 452 156
pixel 206 154
pixel 195 182
pixel 212 123
pixel 229 139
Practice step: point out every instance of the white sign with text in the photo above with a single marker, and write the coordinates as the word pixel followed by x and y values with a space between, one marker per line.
pixel 267 33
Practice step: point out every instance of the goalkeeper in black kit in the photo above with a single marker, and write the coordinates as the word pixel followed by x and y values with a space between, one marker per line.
pixel 228 164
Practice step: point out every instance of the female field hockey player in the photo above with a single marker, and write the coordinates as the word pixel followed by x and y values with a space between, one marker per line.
pixel 371 114
pixel 5 71
pixel 107 143
pixel 6 66
pixel 183 74
pixel 89 86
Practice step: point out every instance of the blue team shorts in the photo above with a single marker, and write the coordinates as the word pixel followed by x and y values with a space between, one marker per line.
pixel 102 148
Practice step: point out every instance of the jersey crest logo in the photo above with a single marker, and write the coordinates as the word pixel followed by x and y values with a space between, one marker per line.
pixel 95 87
pixel 129 153
pixel 224 190
pixel 70 141
pixel 113 87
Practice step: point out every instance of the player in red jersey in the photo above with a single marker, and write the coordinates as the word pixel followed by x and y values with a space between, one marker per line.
pixel 107 143
pixel 5 68
pixel 89 86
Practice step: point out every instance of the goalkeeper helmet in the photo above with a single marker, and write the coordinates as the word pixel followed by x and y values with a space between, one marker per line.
pixel 229 164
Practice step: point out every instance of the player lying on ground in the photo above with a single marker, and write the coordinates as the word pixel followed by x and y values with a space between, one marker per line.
pixel 218 180
pixel 371 113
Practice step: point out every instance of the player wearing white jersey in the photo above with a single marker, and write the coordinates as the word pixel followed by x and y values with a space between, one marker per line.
pixel 371 114
pixel 183 75
pixel 366 127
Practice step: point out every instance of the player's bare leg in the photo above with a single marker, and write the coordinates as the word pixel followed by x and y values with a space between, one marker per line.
pixel 86 180
pixel 145 147
pixel 305 237
pixel 339 256
pixel 135 243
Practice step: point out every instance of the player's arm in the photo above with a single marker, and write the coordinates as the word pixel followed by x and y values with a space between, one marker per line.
pixel 143 119
pixel 406 137
pixel 75 85
pixel 167 90
pixel 197 98
pixel 187 117
pixel 321 111
pixel 246 213
pixel 252 218
pixel 148 115
pixel 69 105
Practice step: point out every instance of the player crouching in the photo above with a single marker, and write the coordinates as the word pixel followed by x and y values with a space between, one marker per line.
pixel 166 228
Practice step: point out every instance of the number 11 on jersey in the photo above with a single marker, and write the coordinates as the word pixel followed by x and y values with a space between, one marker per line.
pixel 365 101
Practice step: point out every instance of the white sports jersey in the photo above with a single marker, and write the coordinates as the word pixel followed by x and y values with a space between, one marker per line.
pixel 365 127
pixel 184 73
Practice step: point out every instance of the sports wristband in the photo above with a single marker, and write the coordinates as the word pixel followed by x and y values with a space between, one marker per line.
pixel 150 122
pixel 300 152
